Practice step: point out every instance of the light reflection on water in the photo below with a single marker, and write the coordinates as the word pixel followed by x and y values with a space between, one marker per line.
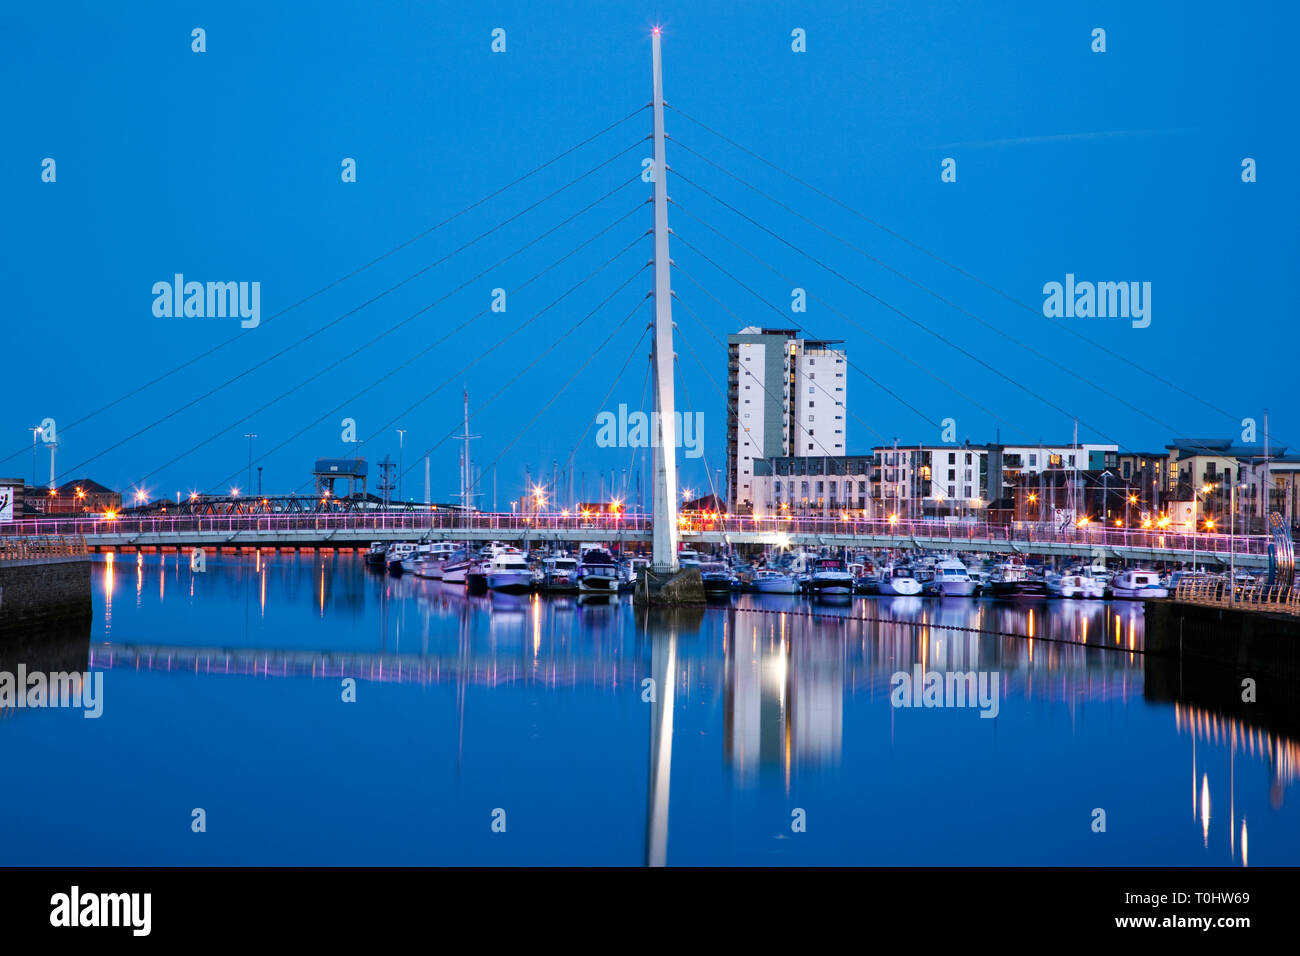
pixel 223 689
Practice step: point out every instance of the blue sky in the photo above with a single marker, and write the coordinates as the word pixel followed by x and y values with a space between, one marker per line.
pixel 225 166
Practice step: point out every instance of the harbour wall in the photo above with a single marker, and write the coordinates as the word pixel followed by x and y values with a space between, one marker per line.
pixel 1247 640
pixel 44 594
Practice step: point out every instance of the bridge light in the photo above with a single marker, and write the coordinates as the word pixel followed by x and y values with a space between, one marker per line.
pixel 1209 524
pixel 1146 522
pixel 110 514
pixel 893 519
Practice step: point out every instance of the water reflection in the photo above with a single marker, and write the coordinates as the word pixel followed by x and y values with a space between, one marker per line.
pixel 760 705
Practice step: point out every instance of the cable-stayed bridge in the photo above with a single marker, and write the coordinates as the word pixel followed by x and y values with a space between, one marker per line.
pixel 622 237
pixel 634 532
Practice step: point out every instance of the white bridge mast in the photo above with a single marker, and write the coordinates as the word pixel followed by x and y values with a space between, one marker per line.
pixel 664 553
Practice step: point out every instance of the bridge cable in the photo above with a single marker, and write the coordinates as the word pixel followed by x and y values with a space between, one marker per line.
pixel 903 355
pixel 317 331
pixel 955 268
pixel 904 315
pixel 734 407
pixel 481 355
pixel 761 384
pixel 531 365
pixel 376 339
pixel 566 384
pixel 325 288
pixel 939 296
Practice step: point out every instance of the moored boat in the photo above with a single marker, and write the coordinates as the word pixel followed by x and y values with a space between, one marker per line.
pixel 1138 584
pixel 597 572
pixel 898 580
pixel 1011 579
pixel 830 576
pixel 508 571
pixel 771 581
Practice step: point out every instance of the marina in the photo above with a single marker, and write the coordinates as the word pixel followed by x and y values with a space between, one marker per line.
pixel 533 703
pixel 613 481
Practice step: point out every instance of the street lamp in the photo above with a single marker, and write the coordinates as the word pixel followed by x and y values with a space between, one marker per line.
pixel 37 431
pixel 250 436
pixel 401 443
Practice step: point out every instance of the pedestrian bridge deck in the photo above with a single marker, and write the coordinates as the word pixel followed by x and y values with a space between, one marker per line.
pixel 353 529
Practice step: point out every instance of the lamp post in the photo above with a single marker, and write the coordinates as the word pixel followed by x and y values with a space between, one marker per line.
pixel 1196 495
pixel 37 431
pixel 250 436
pixel 401 444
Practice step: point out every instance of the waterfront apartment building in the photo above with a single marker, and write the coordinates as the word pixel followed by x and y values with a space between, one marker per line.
pixel 786 396
pixel 813 486
pixel 919 480
pixel 1233 484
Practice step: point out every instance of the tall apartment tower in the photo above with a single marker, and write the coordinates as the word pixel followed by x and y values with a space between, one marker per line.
pixel 785 396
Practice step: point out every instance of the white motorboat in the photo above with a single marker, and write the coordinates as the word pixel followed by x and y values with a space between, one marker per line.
pixel 398 553
pixel 688 558
pixel 1076 585
pixel 628 571
pixel 717 577
pixel 769 581
pixel 898 580
pixel 1138 584
pixel 456 567
pixel 431 558
pixel 509 571
pixel 830 576
pixel 597 572
pixel 560 573
pixel 951 579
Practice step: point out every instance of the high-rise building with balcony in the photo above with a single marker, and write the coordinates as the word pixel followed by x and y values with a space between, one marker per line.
pixel 785 396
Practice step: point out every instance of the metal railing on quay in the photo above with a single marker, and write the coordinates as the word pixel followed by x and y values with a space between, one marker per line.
pixel 1218 592
pixel 28 547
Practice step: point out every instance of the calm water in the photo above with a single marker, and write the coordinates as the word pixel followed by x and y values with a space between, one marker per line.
pixel 224 691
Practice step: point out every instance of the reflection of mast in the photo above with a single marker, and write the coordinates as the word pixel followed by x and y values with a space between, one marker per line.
pixel 664 671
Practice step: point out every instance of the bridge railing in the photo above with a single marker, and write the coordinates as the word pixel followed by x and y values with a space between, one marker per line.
pixel 936 533
pixel 26 547
pixel 1220 593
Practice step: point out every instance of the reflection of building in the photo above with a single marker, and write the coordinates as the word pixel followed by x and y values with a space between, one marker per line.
pixel 784 696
